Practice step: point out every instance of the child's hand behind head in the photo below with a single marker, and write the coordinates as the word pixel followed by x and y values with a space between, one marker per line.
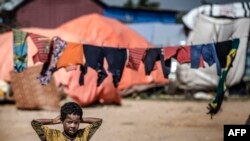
pixel 57 119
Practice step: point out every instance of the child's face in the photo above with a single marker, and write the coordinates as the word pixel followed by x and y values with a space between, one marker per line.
pixel 71 124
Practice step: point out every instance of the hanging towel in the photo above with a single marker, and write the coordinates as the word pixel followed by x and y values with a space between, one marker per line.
pixel 183 55
pixel 43 46
pixel 136 55
pixel 71 57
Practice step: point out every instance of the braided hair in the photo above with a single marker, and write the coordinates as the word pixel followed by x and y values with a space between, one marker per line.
pixel 71 108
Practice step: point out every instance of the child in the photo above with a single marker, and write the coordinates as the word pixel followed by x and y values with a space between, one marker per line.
pixel 71 117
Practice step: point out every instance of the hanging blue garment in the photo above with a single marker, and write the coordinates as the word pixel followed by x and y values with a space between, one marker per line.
pixel 20 50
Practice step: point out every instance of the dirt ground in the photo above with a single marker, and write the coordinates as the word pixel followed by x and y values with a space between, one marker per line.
pixel 137 120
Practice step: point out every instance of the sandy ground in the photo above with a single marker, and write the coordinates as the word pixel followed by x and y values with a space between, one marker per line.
pixel 137 120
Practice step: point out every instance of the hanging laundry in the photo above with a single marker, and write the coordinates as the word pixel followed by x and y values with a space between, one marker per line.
pixel 20 50
pixel 183 55
pixel 50 65
pixel 222 50
pixel 135 57
pixel 116 58
pixel 43 47
pixel 83 69
pixel 153 55
pixel 71 57
pixel 95 58
pixel 207 52
pixel 180 53
pixel 246 76
pixel 215 105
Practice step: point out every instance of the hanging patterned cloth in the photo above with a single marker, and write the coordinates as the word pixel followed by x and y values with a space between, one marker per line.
pixel 20 50
pixel 49 67
pixel 215 105
pixel 43 47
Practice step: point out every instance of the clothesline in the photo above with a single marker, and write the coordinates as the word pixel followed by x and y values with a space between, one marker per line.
pixel 116 59
pixel 183 54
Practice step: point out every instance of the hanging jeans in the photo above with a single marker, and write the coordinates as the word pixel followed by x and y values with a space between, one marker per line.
pixel 207 52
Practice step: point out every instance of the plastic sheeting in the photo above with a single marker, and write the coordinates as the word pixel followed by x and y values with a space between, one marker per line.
pixel 159 34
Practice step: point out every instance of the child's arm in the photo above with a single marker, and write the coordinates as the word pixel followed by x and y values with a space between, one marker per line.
pixel 91 120
pixel 38 123
pixel 95 124
pixel 48 121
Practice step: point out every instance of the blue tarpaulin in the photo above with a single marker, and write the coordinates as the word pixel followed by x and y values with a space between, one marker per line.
pixel 160 34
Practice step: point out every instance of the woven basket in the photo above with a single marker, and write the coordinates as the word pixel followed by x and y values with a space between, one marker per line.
pixel 30 94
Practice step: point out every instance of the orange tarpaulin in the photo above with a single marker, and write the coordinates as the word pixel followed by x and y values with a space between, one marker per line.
pixel 91 29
